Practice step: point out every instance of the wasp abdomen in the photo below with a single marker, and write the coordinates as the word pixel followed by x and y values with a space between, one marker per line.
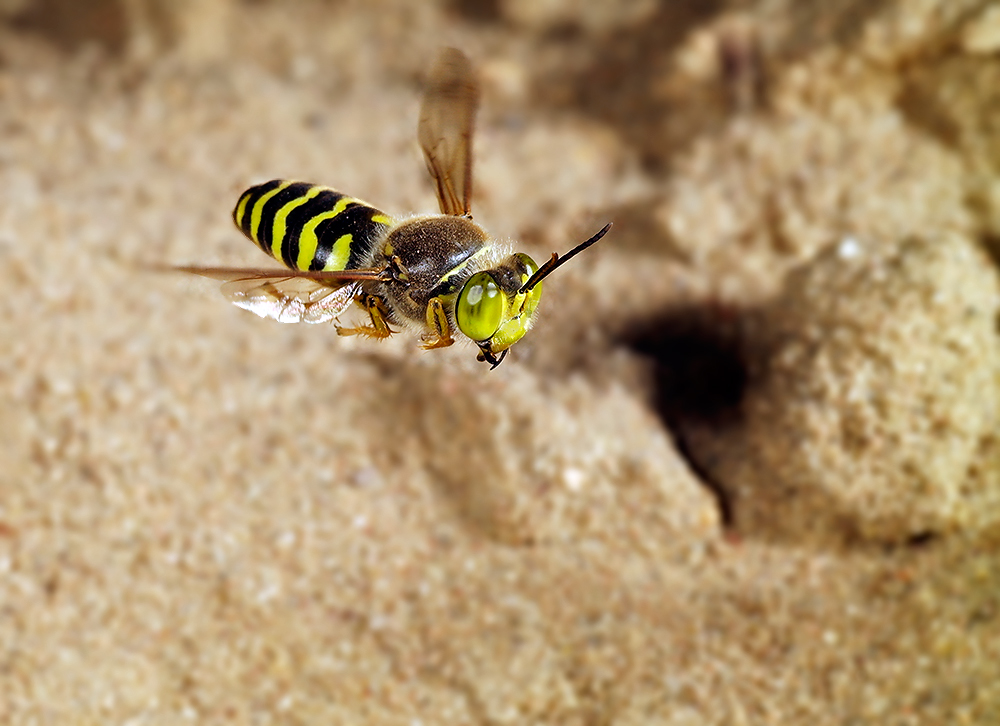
pixel 310 227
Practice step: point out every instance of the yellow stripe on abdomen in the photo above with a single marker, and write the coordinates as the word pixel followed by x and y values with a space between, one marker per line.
pixel 309 241
pixel 340 253
pixel 241 207
pixel 280 222
pixel 257 211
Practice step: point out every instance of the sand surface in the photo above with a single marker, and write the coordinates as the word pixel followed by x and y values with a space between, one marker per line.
pixel 745 469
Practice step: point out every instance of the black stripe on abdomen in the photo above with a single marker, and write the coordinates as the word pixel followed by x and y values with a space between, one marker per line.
pixel 356 220
pixel 243 212
pixel 323 202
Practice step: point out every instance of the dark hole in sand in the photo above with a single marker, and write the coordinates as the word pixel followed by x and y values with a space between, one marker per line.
pixel 699 375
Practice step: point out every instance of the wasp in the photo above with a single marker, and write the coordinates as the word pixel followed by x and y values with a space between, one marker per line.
pixel 439 273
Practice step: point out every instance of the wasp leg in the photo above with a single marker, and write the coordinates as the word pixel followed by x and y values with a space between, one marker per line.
pixel 378 312
pixel 397 270
pixel 437 322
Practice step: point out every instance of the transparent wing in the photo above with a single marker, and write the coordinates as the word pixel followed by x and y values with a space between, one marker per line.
pixel 291 300
pixel 447 118
pixel 289 296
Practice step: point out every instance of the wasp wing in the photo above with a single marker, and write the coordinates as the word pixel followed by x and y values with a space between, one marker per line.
pixel 291 300
pixel 332 278
pixel 289 296
pixel 447 118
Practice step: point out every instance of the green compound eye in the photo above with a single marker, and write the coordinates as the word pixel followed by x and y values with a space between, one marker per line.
pixel 480 307
pixel 530 268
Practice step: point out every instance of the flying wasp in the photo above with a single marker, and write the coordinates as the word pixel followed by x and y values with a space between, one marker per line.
pixel 439 273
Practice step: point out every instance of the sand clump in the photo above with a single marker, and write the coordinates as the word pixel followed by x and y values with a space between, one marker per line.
pixel 832 135
pixel 874 382
pixel 536 460
pixel 786 186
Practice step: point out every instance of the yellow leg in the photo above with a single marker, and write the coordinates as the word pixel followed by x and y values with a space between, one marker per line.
pixel 377 311
pixel 439 335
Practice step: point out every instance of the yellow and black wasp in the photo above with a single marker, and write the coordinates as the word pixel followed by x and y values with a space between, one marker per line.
pixel 440 273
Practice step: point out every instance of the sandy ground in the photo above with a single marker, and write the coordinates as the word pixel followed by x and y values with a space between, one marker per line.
pixel 745 470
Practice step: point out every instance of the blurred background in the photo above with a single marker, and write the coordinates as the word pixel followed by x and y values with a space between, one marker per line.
pixel 744 469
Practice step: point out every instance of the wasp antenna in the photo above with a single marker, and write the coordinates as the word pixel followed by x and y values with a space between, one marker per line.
pixel 555 261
